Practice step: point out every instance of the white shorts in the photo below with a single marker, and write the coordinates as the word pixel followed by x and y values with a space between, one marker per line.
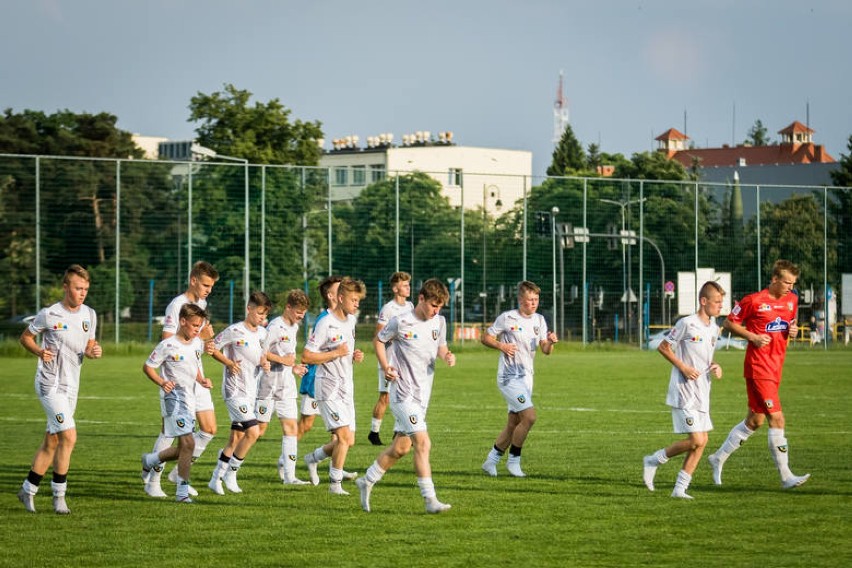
pixel 409 417
pixel 178 424
pixel 284 409
pixel 384 384
pixel 336 414
pixel 59 409
pixel 310 406
pixel 240 409
pixel 516 393
pixel 203 399
pixel 688 421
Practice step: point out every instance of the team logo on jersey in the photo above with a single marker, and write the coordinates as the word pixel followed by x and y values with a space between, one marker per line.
pixel 522 399
pixel 536 330
pixel 243 409
pixel 87 324
pixel 515 328
pixel 769 404
pixel 336 338
pixel 180 422
pixel 777 325
pixel 412 418
pixel 737 309
pixel 690 421
pixel 59 326
pixel 176 357
pixel 285 338
pixel 60 418
pixel 241 343
pixel 790 306
pixel 764 308
pixel 335 416
pixel 409 335
pixel 696 339
pixel 435 335
pixel 262 409
pixel 198 353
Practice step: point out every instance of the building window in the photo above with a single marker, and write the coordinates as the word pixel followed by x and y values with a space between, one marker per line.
pixel 359 175
pixel 455 177
pixel 341 176
pixel 377 173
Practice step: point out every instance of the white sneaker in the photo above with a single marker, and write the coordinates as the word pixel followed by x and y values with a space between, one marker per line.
pixel 490 468
pixel 680 494
pixel 649 470
pixel 27 500
pixel 336 489
pixel 435 506
pixel 365 487
pixel 182 499
pixel 296 481
pixel 153 489
pixel 230 481
pixel 350 475
pixel 514 467
pixel 215 484
pixel 716 464
pixel 60 507
pixel 795 481
pixel 312 469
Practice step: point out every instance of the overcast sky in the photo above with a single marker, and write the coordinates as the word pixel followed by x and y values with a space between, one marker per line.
pixel 485 69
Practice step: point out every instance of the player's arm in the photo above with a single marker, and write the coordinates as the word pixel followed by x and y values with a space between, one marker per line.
pixel 314 358
pixel 507 349
pixel 28 340
pixel 665 349
pixel 155 378
pixel 757 339
pixel 547 344
pixel 382 355
pixel 233 366
pixel 93 349
pixel 287 360
pixel 446 355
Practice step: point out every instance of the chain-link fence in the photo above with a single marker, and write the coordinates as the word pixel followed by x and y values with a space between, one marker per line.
pixel 617 260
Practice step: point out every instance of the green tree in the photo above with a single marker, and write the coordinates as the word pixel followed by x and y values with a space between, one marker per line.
pixel 568 159
pixel 840 209
pixel 263 133
pixel 758 135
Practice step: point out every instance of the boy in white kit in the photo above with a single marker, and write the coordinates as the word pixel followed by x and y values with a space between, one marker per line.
pixel 401 287
pixel 689 347
pixel 517 334
pixel 178 359
pixel 276 390
pixel 68 335
pixel 332 348
pixel 407 348
pixel 241 348
pixel 202 278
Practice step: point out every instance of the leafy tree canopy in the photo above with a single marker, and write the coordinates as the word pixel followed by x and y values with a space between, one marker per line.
pixel 261 133
pixel 569 159
pixel 758 135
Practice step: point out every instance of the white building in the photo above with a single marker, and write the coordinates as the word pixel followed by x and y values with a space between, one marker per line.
pixel 493 176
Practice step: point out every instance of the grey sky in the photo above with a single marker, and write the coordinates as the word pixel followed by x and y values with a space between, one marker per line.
pixel 485 69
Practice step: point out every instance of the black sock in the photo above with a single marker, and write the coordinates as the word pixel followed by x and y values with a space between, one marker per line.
pixel 34 478
pixel 514 451
pixel 498 450
pixel 57 478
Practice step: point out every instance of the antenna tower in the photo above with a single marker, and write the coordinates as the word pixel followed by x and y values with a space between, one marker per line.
pixel 560 112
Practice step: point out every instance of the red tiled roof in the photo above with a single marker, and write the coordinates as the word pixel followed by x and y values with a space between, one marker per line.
pixel 796 126
pixel 672 134
pixel 754 155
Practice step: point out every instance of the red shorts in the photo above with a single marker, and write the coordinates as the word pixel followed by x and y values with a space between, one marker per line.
pixel 763 396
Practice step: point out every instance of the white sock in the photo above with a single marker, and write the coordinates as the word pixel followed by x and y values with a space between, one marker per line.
pixel 683 481
pixel 58 488
pixel 427 488
pixel 29 487
pixel 201 438
pixel 335 475
pixel 376 425
pixel 494 456
pixel 235 464
pixel 289 448
pixel 374 473
pixel 163 442
pixel 660 456
pixel 778 448
pixel 736 438
pixel 318 455
pixel 152 460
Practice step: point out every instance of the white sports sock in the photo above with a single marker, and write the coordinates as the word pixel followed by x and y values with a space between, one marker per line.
pixel 234 464
pixel 58 488
pixel 163 442
pixel 683 481
pixel 375 425
pixel 335 475
pixel 318 455
pixel 374 473
pixel 660 456
pixel 736 438
pixel 778 448
pixel 427 488
pixel 29 487
pixel 494 456
pixel 201 438
pixel 289 449
pixel 152 459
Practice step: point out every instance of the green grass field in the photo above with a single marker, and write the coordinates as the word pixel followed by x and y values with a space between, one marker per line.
pixel 583 503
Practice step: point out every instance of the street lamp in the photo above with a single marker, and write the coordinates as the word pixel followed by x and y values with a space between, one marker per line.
pixel 498 204
pixel 553 213
pixel 625 240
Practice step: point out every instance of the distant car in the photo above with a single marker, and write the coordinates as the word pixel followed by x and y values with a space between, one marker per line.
pixel 725 341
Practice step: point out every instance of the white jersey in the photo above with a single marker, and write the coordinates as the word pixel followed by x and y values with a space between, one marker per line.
pixel 392 309
pixel 414 345
pixel 526 333
pixel 693 342
pixel 247 347
pixel 334 378
pixel 281 340
pixel 171 323
pixel 66 335
pixel 179 363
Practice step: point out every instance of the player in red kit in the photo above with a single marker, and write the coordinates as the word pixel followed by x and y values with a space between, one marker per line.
pixel 766 319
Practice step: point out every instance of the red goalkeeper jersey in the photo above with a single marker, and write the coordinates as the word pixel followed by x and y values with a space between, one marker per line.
pixel 763 314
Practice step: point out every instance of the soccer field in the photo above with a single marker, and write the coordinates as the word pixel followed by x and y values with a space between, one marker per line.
pixel 583 504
